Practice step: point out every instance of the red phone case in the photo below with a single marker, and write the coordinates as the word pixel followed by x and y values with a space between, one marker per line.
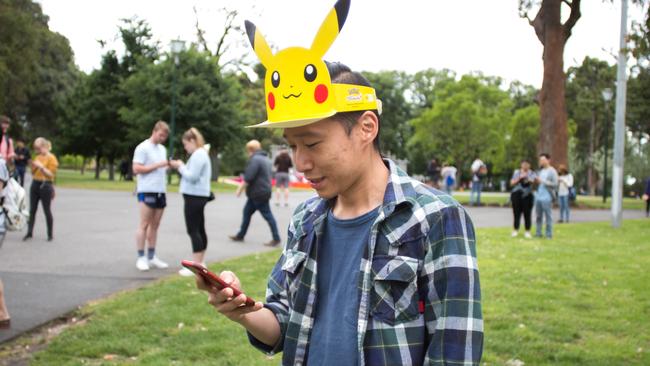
pixel 213 279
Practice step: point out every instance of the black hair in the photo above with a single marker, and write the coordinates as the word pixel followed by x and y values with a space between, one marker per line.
pixel 546 155
pixel 341 74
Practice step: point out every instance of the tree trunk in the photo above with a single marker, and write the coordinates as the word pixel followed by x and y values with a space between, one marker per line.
pixel 98 158
pixel 591 179
pixel 553 133
pixel 111 168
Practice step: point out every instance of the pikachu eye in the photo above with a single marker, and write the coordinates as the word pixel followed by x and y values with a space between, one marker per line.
pixel 310 73
pixel 275 79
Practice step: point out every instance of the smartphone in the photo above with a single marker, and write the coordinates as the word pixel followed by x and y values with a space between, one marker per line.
pixel 213 279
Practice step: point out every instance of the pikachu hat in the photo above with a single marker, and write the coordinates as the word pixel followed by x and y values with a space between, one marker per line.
pixel 297 84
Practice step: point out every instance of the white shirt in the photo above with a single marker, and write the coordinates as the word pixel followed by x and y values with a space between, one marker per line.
pixel 148 153
pixel 476 165
pixel 566 182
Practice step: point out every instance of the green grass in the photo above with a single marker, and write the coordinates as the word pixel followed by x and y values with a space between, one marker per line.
pixel 587 202
pixel 582 298
pixel 74 179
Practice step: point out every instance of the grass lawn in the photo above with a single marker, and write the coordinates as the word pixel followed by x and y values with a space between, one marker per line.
pixel 582 298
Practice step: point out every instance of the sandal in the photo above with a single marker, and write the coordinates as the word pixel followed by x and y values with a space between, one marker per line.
pixel 5 323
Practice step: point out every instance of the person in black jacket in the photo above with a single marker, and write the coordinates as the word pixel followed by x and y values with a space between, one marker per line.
pixel 257 183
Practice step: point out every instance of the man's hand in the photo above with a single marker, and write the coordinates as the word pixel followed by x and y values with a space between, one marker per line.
pixel 222 300
pixel 162 164
pixel 240 189
pixel 175 163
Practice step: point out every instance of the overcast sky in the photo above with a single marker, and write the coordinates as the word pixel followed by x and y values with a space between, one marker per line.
pixel 461 35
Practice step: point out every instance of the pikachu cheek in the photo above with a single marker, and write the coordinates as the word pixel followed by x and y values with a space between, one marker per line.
pixel 320 93
pixel 271 100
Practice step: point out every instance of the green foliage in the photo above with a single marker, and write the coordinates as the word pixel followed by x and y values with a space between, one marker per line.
pixel 522 138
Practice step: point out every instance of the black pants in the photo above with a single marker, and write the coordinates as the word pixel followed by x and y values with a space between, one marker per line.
pixel 647 207
pixel 522 205
pixel 41 191
pixel 195 221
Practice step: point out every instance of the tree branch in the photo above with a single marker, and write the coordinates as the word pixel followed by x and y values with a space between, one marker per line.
pixel 538 25
pixel 230 19
pixel 200 33
pixel 573 18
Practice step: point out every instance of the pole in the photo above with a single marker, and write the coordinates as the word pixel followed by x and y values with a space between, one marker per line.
pixel 173 117
pixel 619 128
pixel 606 148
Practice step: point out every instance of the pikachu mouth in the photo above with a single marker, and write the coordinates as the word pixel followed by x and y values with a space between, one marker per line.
pixel 291 95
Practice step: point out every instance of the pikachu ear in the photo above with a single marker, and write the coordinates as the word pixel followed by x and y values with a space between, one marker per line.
pixel 331 27
pixel 259 44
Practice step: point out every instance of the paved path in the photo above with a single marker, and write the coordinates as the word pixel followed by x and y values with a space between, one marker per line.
pixel 93 253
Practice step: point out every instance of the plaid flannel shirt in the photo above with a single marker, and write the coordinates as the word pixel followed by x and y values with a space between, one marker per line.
pixel 420 298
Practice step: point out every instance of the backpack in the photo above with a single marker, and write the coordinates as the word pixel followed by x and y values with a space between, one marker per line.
pixel 14 206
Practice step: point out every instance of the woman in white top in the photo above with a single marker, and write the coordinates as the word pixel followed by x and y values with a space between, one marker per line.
pixel 195 187
pixel 566 182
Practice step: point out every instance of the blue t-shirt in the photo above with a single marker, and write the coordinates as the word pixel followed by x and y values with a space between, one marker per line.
pixel 333 340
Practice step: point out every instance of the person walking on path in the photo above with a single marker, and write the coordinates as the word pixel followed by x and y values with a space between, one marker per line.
pixel 433 173
pixel 5 318
pixel 646 197
pixel 448 173
pixel 521 197
pixel 565 184
pixel 257 183
pixel 378 269
pixel 6 143
pixel 547 182
pixel 44 168
pixel 195 187
pixel 282 165
pixel 150 165
pixel 479 170
pixel 22 158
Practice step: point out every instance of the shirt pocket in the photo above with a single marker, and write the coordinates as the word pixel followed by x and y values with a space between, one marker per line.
pixel 292 268
pixel 394 296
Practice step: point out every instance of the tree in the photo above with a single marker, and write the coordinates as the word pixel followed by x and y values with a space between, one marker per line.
pixel 585 84
pixel 553 34
pixel 525 131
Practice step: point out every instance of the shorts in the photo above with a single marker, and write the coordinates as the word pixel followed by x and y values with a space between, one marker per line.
pixel 282 180
pixel 153 200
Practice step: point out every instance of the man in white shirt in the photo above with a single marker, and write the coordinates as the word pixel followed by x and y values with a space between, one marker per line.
pixel 150 165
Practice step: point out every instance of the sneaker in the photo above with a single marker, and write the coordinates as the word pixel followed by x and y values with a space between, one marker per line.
pixel 527 235
pixel 185 272
pixel 27 237
pixel 272 243
pixel 142 263
pixel 155 262
pixel 235 238
pixel 286 205
pixel 277 204
pixel 514 233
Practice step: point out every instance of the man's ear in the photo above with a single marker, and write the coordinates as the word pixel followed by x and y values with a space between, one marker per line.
pixel 368 127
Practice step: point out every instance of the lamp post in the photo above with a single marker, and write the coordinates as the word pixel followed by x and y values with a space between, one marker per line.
pixel 607 96
pixel 177 46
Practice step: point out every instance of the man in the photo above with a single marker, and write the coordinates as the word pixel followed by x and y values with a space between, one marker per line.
pixel 282 165
pixel 433 172
pixel 547 183
pixel 257 183
pixel 477 182
pixel 150 165
pixel 6 143
pixel 21 160
pixel 378 269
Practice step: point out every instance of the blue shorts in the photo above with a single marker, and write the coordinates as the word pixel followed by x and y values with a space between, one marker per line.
pixel 153 200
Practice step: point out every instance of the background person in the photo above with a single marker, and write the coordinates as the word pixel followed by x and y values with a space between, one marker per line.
pixel 5 319
pixel 150 164
pixel 282 165
pixel 565 181
pixel 433 173
pixel 44 168
pixel 22 157
pixel 522 197
pixel 195 187
pixel 477 181
pixel 646 197
pixel 544 197
pixel 257 183
pixel 6 143
pixel 448 173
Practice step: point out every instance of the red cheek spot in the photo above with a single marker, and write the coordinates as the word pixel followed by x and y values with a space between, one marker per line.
pixel 271 101
pixel 320 94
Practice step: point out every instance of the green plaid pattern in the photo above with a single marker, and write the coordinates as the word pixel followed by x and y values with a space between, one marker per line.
pixel 420 297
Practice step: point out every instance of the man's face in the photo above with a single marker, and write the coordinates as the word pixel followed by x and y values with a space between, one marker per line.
pixel 543 162
pixel 160 136
pixel 326 155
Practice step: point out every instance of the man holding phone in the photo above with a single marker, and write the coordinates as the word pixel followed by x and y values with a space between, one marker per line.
pixel 150 165
pixel 379 269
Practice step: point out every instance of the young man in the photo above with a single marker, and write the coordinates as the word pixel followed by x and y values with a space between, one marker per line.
pixel 282 165
pixel 257 183
pixel 547 183
pixel 150 165
pixel 21 160
pixel 378 269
